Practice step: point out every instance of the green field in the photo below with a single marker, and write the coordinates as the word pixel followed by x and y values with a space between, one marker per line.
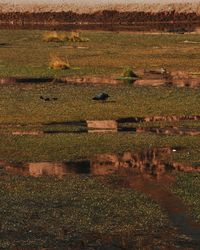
pixel 106 53
pixel 84 211
pixel 22 104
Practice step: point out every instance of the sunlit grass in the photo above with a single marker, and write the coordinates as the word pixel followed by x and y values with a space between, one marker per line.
pixel 54 36
pixel 108 53
pixel 57 62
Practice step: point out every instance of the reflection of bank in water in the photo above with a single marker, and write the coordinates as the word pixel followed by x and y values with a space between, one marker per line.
pixel 148 163
pixel 148 172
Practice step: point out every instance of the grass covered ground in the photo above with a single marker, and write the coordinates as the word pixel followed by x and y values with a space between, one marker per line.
pixel 63 147
pixel 106 53
pixel 21 103
pixel 75 212
pixel 48 212
pixel 187 187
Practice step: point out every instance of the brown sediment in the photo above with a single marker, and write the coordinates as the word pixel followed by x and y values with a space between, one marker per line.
pixel 172 118
pixel 150 82
pixel 27 133
pixel 110 13
pixel 146 78
pixel 102 126
pixel 170 130
pixel 8 80
pixel 89 80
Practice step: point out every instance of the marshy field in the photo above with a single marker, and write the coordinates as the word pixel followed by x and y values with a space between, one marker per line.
pixel 120 173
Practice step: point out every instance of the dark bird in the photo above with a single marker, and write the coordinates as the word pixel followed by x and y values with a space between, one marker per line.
pixel 101 97
pixel 47 99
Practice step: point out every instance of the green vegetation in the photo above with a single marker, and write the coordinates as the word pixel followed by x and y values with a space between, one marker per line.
pixel 105 53
pixel 128 72
pixel 63 147
pixel 187 187
pixel 21 103
pixel 47 212
pixel 50 212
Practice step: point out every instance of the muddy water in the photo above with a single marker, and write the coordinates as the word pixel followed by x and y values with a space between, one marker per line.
pixel 150 172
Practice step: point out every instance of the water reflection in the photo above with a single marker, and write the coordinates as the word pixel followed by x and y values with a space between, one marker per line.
pixel 149 171
pixel 148 164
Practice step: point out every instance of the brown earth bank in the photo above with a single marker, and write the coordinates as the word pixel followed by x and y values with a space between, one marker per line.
pixel 118 13
pixel 92 8
pixel 105 17
pixel 146 78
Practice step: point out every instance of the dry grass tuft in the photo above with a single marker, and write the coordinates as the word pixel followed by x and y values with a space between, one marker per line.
pixel 54 36
pixel 57 62
pixel 75 37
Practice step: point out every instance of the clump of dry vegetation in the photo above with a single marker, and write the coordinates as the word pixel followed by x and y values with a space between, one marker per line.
pixel 54 36
pixel 57 62
pixel 75 37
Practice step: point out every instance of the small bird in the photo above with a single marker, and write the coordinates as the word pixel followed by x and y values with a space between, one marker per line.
pixel 101 97
pixel 47 99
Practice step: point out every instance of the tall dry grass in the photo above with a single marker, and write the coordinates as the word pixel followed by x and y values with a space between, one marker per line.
pixel 57 62
pixel 54 36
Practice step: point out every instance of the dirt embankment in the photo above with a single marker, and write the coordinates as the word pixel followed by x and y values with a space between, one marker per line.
pixel 99 14
pixel 105 16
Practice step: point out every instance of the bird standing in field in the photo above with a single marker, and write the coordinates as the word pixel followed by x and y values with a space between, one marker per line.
pixel 101 97
pixel 47 99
